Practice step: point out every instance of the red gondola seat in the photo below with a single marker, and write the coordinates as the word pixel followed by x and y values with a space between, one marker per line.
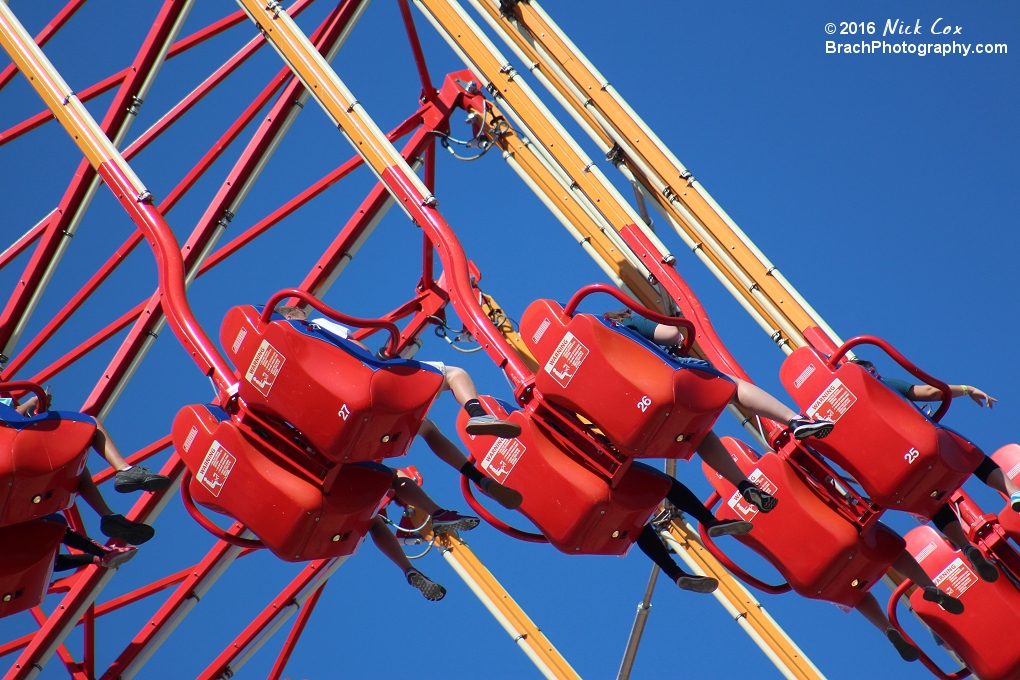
pixel 345 403
pixel 236 473
pixel 983 635
pixel 902 459
pixel 26 563
pixel 640 397
pixel 820 552
pixel 41 461
pixel 573 506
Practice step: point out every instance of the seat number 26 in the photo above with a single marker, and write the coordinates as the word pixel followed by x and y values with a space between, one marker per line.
pixel 644 404
pixel 911 455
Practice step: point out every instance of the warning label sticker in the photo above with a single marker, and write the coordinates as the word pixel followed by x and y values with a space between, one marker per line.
pixel 956 579
pixel 265 367
pixel 833 402
pixel 804 375
pixel 215 468
pixel 744 510
pixel 239 339
pixel 567 358
pixel 501 459
pixel 759 479
pixel 1013 471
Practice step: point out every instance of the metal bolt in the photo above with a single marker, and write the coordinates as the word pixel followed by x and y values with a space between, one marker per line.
pixel 37 499
pixel 336 539
pixel 934 494
pixel 679 437
pixel 602 512
pixel 855 583
pixel 616 534
pixel 385 438
pixel 8 597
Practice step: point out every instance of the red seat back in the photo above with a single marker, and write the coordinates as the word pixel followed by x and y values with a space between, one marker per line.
pixel 574 507
pixel 26 563
pixel 983 635
pixel 903 460
pixel 820 553
pixel 41 460
pixel 631 390
pixel 237 474
pixel 347 404
pixel 1008 458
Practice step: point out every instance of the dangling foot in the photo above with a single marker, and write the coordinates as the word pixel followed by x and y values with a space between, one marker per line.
pixel 759 498
pixel 908 652
pixel 430 589
pixel 730 527
pixel 137 478
pixel 1014 501
pixel 985 568
pixel 802 427
pixel 493 426
pixel 943 599
pixel 448 520
pixel 697 584
pixel 504 495
pixel 119 526
pixel 115 557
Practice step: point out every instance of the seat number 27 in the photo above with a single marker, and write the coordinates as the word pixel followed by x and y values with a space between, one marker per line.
pixel 911 455
pixel 644 404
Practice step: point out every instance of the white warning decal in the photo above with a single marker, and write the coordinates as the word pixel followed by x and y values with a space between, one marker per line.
pixel 956 579
pixel 239 339
pixel 567 358
pixel 191 438
pixel 927 550
pixel 542 328
pixel 1013 471
pixel 833 402
pixel 804 375
pixel 502 457
pixel 744 510
pixel 215 468
pixel 265 367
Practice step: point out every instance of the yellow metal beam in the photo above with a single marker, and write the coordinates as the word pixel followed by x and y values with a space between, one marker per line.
pixel 699 220
pixel 745 609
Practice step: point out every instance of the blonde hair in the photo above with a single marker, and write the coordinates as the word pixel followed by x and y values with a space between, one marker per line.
pixel 292 312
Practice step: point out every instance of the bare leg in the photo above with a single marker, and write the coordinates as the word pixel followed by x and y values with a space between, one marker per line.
pixel 718 458
pixel 1001 483
pixel 761 403
pixel 441 445
pixel 89 493
pixel 870 608
pixel 908 566
pixel 459 382
pixel 409 493
pixel 956 535
pixel 388 544
pixel 102 442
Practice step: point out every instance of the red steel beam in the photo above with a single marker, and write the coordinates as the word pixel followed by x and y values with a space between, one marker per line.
pixel 118 118
pixel 23 243
pixel 295 634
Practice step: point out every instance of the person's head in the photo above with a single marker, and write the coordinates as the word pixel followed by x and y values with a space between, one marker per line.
pixel 292 313
pixel 618 315
pixel 865 364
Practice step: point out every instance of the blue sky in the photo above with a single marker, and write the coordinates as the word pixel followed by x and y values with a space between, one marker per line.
pixel 881 185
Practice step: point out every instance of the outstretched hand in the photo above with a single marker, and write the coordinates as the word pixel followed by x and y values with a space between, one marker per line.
pixel 980 398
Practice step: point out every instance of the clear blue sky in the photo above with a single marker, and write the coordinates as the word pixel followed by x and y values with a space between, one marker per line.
pixel 883 186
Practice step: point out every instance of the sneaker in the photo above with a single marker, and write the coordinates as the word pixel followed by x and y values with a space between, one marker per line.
pixel 984 567
pixel 491 425
pixel 448 520
pixel 697 584
pixel 760 499
pixel 908 652
pixel 802 428
pixel 139 478
pixel 730 527
pixel 504 495
pixel 115 557
pixel 430 589
pixel 943 599
pixel 1014 501
pixel 119 526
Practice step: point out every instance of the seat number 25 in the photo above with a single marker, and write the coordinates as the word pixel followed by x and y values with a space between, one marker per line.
pixel 911 455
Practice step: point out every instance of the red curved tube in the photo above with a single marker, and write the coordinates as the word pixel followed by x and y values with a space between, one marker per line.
pixel 635 306
pixel 320 306
pixel 925 660
pixel 510 531
pixel 947 394
pixel 207 524
pixel 25 385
